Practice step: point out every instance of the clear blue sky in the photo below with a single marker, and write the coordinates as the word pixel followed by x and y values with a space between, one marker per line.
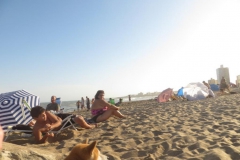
pixel 73 48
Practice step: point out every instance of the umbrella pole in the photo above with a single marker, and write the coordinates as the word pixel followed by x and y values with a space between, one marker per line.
pixel 26 104
pixel 23 113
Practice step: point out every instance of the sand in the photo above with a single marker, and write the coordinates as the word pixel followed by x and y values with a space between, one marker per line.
pixel 206 129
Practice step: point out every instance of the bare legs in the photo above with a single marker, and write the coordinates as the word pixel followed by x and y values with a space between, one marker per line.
pixel 108 113
pixel 80 120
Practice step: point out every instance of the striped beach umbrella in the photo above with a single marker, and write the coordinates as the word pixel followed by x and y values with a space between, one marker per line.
pixel 15 107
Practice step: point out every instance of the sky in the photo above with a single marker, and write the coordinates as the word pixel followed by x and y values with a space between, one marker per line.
pixel 73 48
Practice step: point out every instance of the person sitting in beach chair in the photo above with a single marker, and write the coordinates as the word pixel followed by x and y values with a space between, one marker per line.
pixel 46 121
pixel 101 110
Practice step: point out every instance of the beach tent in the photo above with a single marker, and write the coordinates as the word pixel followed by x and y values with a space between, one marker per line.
pixel 195 91
pixel 214 87
pixel 12 109
pixel 180 92
pixel 165 95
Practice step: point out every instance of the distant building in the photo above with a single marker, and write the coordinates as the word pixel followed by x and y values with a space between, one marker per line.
pixel 223 72
pixel 212 81
pixel 238 81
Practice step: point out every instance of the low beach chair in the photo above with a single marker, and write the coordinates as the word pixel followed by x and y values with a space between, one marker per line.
pixel 66 123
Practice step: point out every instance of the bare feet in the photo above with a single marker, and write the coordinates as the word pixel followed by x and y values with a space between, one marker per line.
pixel 90 126
pixel 123 117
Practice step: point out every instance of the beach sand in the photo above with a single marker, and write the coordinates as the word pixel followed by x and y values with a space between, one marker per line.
pixel 206 129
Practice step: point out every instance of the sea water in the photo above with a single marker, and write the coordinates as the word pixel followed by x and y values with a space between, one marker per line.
pixel 70 106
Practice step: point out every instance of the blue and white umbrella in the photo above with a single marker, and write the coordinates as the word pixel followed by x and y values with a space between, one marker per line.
pixel 13 110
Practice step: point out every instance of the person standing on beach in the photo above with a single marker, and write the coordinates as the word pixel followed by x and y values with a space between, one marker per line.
pixel 206 84
pixel 78 105
pixel 53 105
pixel 82 103
pixel 88 103
pixel 129 98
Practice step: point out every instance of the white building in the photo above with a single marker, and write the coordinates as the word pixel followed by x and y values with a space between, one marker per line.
pixel 212 81
pixel 223 72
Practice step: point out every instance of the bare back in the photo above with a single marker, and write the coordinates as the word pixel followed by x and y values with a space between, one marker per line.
pixel 99 103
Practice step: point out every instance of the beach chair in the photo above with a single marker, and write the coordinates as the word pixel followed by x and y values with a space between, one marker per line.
pixel 66 123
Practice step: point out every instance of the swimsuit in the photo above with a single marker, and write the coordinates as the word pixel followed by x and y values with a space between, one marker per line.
pixel 97 112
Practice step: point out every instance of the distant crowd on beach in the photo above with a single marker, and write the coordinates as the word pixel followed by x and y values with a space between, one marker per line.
pixel 196 91
pixel 223 86
pixel 86 104
pixel 81 103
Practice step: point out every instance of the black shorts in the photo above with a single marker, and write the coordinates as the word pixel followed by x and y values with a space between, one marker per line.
pixel 65 115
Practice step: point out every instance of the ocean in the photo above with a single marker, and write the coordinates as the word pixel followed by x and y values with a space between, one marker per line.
pixel 70 106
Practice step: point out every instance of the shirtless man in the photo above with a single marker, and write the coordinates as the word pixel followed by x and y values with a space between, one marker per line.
pixel 206 84
pixel 46 121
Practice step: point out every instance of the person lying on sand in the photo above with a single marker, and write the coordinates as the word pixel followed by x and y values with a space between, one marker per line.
pixel 101 110
pixel 46 121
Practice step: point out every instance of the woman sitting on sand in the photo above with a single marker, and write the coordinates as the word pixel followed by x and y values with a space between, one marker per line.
pixel 101 110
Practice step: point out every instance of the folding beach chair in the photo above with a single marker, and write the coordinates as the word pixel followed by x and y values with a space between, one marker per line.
pixel 66 123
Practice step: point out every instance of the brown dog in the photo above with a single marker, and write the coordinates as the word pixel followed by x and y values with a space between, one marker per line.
pixel 86 152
